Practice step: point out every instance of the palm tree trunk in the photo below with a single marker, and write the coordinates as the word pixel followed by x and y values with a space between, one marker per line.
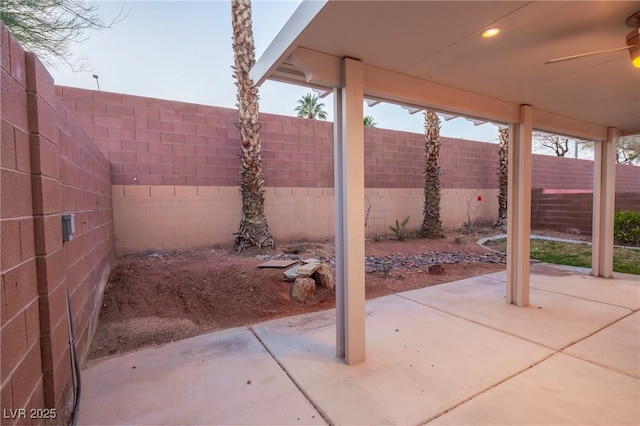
pixel 503 175
pixel 432 225
pixel 254 229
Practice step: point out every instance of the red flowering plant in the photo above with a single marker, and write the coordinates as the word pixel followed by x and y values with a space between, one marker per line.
pixel 472 210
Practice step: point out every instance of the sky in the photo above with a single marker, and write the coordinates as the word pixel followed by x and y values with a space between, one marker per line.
pixel 182 51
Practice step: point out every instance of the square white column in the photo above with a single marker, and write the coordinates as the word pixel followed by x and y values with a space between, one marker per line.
pixel 604 199
pixel 519 209
pixel 349 210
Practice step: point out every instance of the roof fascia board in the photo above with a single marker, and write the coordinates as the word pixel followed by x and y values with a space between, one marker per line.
pixel 405 90
pixel 286 40
pixel 325 71
pixel 554 123
pixel 320 70
pixel 632 132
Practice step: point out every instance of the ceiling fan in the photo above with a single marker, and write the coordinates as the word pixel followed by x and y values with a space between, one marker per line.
pixel 633 44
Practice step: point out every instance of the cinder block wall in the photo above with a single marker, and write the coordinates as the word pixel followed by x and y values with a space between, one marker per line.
pixel 161 142
pixel 49 166
pixel 569 211
pixel 562 195
pixel 193 149
pixel 20 346
pixel 570 173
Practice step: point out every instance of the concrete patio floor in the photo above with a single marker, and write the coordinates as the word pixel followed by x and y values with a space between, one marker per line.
pixel 454 353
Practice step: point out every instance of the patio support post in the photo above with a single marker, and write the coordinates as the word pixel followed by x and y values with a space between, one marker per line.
pixel 349 210
pixel 604 199
pixel 519 208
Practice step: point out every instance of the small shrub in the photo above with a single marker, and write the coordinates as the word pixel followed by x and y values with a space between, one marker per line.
pixel 377 237
pixel 467 227
pixel 460 240
pixel 473 204
pixel 626 227
pixel 399 229
pixel 294 248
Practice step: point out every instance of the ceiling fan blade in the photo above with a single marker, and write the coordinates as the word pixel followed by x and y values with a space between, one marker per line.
pixel 583 55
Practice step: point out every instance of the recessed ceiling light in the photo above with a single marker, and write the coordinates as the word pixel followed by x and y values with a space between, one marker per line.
pixel 491 32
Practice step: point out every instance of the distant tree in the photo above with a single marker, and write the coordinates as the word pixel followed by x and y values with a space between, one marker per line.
pixel 557 144
pixel 254 229
pixel 369 121
pixel 309 106
pixel 628 150
pixel 48 28
pixel 431 225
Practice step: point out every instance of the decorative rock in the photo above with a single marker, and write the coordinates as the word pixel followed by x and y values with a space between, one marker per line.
pixel 303 289
pixel 292 273
pixel 324 276
pixel 436 269
pixel 386 263
pixel 307 269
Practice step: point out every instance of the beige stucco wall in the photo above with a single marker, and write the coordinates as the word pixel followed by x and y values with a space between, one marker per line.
pixel 184 217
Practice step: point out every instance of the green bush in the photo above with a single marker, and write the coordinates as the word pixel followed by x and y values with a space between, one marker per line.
pixel 626 227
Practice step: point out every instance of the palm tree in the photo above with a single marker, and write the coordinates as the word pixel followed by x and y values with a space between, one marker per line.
pixel 503 162
pixel 431 225
pixel 254 229
pixel 310 107
pixel 369 121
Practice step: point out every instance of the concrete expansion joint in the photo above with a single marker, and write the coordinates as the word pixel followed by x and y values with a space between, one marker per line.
pixel 564 348
pixel 584 298
pixel 598 364
pixel 488 388
pixel 295 383
pixel 479 323
pixel 545 358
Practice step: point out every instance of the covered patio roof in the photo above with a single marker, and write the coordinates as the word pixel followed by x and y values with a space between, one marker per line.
pixel 431 55
pixel 436 49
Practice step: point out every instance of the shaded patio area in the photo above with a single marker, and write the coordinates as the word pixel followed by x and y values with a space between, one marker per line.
pixel 436 56
pixel 448 354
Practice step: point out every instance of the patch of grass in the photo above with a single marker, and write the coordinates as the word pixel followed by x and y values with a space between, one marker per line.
pixel 574 254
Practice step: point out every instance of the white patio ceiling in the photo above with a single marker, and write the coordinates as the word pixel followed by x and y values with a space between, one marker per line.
pixel 448 66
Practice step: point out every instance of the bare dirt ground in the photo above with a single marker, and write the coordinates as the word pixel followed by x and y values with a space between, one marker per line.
pixel 157 298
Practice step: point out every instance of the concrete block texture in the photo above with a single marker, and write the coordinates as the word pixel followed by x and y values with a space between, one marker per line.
pixel 572 211
pixel 303 157
pixel 19 289
pixel 50 166
pixel 180 144
pixel 14 103
pixel 44 156
pixel 185 217
pixel 10 243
